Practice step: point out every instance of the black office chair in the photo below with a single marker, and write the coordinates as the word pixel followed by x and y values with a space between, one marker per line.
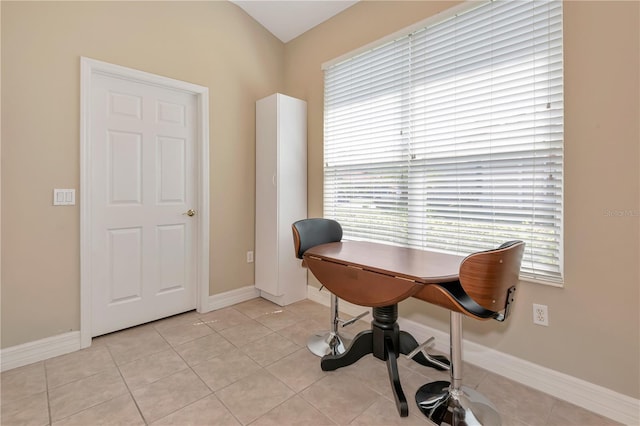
pixel 308 233
pixel 485 290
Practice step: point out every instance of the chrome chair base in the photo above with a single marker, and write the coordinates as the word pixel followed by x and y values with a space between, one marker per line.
pixel 465 406
pixel 327 343
pixel 331 342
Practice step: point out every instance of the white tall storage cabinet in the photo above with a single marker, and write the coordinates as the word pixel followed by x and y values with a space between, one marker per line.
pixel 281 196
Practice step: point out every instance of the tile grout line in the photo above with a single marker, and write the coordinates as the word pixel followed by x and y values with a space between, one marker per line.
pixel 49 375
pixel 214 393
pixel 46 386
pixel 262 368
pixel 126 386
pixel 190 367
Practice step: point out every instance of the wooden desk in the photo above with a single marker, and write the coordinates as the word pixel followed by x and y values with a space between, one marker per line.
pixel 379 276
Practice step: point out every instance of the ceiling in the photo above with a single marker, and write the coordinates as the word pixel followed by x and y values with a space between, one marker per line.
pixel 287 19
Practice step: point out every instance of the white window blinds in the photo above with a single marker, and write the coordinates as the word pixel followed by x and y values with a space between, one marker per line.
pixel 451 137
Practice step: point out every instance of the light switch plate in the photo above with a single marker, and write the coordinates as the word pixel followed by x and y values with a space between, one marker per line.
pixel 64 197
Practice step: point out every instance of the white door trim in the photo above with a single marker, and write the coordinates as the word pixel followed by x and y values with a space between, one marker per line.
pixel 89 67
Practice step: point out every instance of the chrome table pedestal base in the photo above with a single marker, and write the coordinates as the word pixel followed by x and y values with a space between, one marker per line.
pixel 442 405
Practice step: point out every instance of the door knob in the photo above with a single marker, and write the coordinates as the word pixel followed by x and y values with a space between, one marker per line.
pixel 190 212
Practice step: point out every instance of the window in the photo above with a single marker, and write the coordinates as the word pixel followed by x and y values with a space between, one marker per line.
pixel 451 137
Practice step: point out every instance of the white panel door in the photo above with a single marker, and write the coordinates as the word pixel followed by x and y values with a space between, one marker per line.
pixel 143 181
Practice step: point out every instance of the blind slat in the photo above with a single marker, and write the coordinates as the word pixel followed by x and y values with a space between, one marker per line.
pixel 451 137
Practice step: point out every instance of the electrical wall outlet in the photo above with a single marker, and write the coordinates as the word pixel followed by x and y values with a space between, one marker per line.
pixel 249 257
pixel 540 314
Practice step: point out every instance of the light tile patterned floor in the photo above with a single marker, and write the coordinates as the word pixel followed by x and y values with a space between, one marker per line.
pixel 246 364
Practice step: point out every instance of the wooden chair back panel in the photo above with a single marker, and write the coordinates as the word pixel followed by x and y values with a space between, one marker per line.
pixel 487 276
pixel 437 295
pixel 296 241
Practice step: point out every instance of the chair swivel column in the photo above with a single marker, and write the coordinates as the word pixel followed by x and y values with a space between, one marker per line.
pixel 308 233
pixel 330 342
pixel 333 342
pixel 455 342
pixel 481 298
pixel 450 402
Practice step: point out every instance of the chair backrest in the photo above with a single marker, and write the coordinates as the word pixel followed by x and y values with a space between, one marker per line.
pixel 489 277
pixel 312 232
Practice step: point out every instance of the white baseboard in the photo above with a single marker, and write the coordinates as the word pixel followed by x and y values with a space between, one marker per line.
pixel 39 350
pixel 228 298
pixel 600 400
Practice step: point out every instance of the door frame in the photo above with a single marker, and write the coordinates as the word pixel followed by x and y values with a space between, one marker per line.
pixel 89 67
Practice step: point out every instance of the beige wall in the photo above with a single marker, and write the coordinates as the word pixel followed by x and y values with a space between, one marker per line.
pixel 213 44
pixel 594 322
pixel 593 332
